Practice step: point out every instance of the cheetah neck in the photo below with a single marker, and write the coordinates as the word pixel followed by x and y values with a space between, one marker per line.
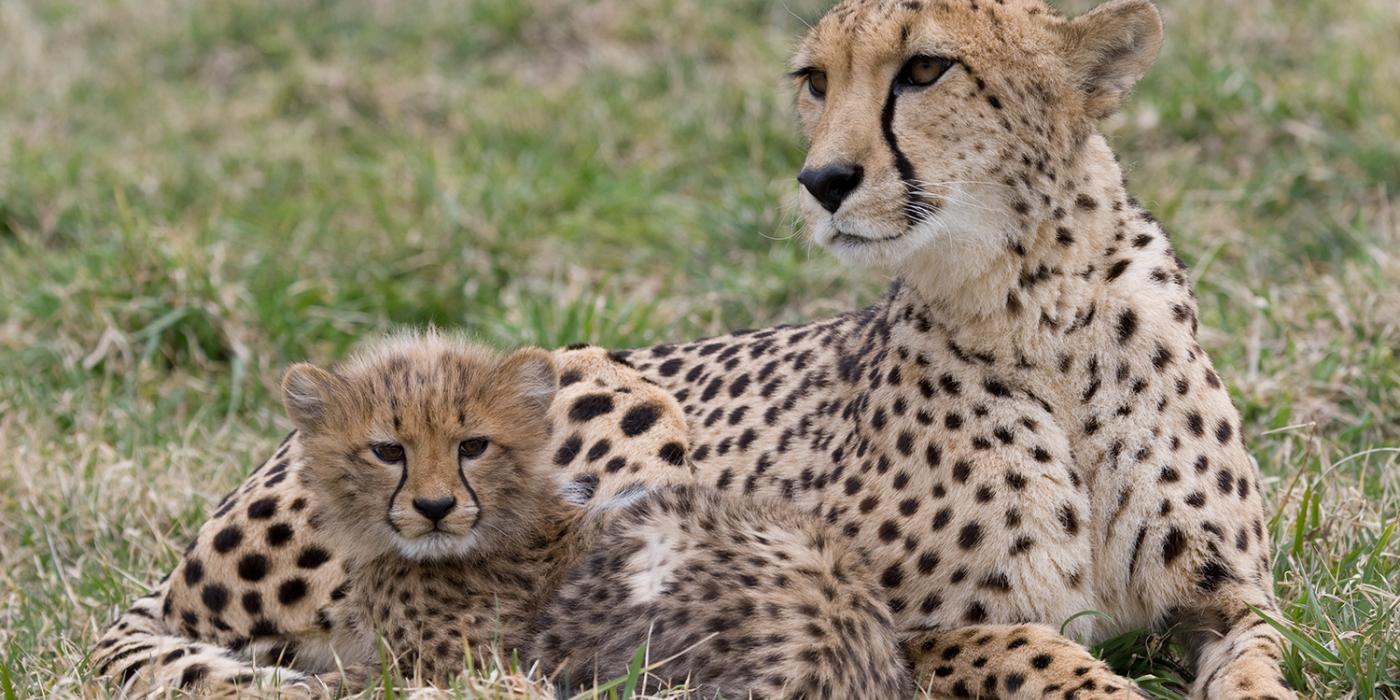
pixel 1032 285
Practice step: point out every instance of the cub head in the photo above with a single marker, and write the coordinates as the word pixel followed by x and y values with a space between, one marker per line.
pixel 940 131
pixel 423 445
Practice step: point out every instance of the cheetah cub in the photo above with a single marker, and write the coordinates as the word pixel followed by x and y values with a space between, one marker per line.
pixel 426 455
pixel 430 458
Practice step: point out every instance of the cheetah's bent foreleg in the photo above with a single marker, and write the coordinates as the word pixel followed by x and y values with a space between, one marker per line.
pixel 1014 662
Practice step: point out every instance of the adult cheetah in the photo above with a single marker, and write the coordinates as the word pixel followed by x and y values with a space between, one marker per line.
pixel 1025 427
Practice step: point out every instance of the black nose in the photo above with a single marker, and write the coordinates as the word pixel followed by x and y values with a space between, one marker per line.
pixel 831 183
pixel 434 509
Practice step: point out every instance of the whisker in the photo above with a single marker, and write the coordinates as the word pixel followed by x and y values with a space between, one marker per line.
pixel 799 17
pixel 956 200
pixel 942 183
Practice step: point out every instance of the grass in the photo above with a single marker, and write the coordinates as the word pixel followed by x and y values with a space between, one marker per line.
pixel 193 195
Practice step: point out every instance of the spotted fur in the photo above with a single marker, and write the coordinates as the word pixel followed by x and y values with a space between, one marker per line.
pixel 737 597
pixel 1026 426
pixel 617 566
pixel 267 576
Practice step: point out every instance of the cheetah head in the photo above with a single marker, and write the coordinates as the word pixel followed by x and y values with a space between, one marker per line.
pixel 422 445
pixel 939 131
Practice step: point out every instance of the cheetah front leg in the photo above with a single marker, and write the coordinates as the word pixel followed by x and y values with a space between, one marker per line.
pixel 1178 518
pixel 1011 662
pixel 1197 559
pixel 1242 659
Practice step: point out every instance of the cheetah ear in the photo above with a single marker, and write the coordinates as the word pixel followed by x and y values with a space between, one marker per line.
pixel 531 372
pixel 307 391
pixel 1109 49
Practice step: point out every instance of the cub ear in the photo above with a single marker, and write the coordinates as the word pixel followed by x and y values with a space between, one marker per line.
pixel 531 373
pixel 1109 49
pixel 307 391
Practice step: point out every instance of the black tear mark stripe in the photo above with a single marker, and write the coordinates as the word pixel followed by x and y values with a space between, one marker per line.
pixel 389 508
pixel 901 162
pixel 476 501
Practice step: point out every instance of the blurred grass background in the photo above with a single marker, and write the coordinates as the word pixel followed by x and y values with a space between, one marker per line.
pixel 194 194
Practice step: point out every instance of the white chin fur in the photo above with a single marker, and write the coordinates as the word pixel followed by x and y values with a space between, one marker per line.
pixel 855 243
pixel 435 546
pixel 951 247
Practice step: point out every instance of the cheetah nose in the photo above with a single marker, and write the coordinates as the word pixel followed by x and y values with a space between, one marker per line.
pixel 830 184
pixel 434 509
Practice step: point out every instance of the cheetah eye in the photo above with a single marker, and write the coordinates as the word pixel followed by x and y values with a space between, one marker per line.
pixel 387 452
pixel 814 79
pixel 922 71
pixel 471 448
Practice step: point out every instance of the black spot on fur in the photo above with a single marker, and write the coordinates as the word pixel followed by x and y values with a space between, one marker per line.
pixel 1223 431
pixel 215 597
pixel 227 539
pixel 976 613
pixel 892 577
pixel 312 557
pixel 970 536
pixel 279 534
pixel 673 453
pixel 640 419
pixel 590 406
pixel 1069 520
pixel 263 508
pixel 194 572
pixel 1127 325
pixel 1173 545
pixel 1195 424
pixel 252 602
pixel 568 450
pixel 291 591
pixel 598 450
pixel 193 675
pixel 1212 574
pixel 252 567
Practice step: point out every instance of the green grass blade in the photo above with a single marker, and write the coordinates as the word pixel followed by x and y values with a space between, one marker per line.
pixel 1378 553
pixel 1309 646
pixel 634 672
pixel 1085 613
pixel 6 684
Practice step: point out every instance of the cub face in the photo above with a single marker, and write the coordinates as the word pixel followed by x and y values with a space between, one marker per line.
pixel 424 446
pixel 935 128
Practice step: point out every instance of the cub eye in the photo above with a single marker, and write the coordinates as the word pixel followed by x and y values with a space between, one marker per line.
pixel 816 83
pixel 388 452
pixel 923 71
pixel 471 448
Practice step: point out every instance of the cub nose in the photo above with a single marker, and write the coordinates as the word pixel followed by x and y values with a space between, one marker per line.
pixel 831 183
pixel 434 509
